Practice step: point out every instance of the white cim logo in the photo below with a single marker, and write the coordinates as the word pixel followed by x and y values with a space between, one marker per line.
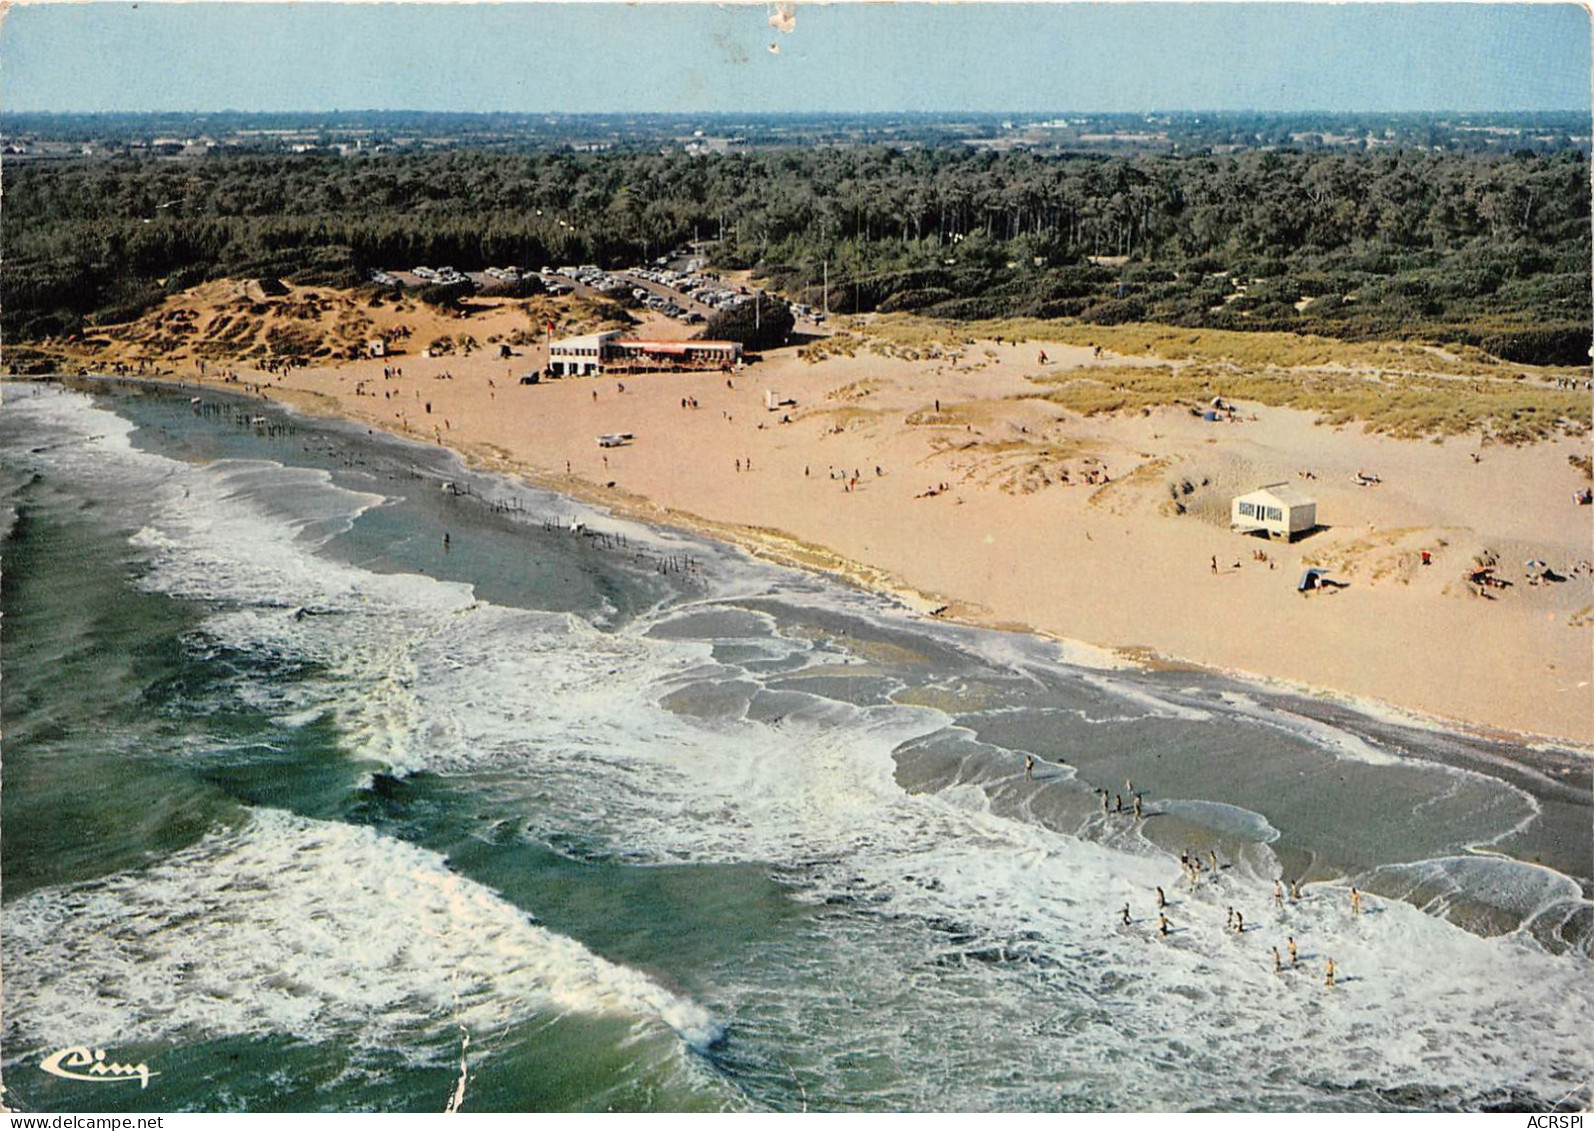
pixel 93 1067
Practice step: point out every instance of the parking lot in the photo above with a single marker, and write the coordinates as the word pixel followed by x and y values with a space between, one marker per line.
pixel 689 298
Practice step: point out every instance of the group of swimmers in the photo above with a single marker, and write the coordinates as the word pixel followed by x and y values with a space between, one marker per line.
pixel 1190 864
pixel 1295 892
pixel 1236 920
pixel 1116 804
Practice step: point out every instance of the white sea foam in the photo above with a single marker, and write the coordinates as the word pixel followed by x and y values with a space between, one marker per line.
pixel 1154 705
pixel 307 928
pixel 1230 820
pixel 1338 741
pixel 817 791
pixel 1469 794
pixel 1026 923
pixel 1525 892
pixel 928 887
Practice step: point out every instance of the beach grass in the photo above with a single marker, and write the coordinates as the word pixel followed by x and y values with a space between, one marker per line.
pixel 1178 343
pixel 1392 388
pixel 1404 406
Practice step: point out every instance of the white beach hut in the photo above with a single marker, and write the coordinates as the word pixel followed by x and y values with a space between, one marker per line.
pixel 1277 509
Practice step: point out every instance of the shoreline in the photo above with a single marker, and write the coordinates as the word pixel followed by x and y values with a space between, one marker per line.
pixel 786 550
pixel 954 476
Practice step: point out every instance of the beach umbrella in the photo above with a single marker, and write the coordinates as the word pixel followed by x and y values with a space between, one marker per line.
pixel 1534 563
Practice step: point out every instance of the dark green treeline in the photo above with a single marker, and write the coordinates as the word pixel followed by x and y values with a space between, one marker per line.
pixel 1488 249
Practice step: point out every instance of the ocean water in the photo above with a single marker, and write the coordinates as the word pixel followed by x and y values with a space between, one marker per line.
pixel 330 767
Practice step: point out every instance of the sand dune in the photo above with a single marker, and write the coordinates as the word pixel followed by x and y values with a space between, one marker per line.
pixel 945 474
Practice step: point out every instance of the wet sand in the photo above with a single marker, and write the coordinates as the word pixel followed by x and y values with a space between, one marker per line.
pixel 950 482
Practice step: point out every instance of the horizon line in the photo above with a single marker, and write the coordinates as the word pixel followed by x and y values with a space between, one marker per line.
pixel 794 114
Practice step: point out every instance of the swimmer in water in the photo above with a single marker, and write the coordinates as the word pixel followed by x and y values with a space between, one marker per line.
pixel 1104 808
pixel 1118 803
pixel 1029 767
pixel 1137 806
pixel 1295 891
pixel 1278 894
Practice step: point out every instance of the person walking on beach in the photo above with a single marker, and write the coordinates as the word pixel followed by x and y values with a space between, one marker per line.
pixel 1162 900
pixel 1163 926
pixel 1118 803
pixel 1278 963
pixel 1126 915
pixel 1278 894
pixel 1294 959
pixel 1214 556
pixel 1104 809
pixel 1328 974
pixel 1228 923
pixel 1295 891
pixel 1137 806
pixel 1355 902
pixel 1239 923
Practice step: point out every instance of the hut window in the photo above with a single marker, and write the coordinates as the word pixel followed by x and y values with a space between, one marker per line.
pixel 1248 510
pixel 1274 514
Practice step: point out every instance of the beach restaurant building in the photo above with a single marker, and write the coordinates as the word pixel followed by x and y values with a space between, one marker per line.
pixel 609 353
pixel 1277 509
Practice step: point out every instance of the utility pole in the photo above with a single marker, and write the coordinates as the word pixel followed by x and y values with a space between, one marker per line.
pixel 827 288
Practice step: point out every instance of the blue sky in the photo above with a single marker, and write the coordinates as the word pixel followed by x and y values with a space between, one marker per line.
pixel 569 57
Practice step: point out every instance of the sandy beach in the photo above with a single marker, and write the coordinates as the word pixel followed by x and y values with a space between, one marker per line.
pixel 947 477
